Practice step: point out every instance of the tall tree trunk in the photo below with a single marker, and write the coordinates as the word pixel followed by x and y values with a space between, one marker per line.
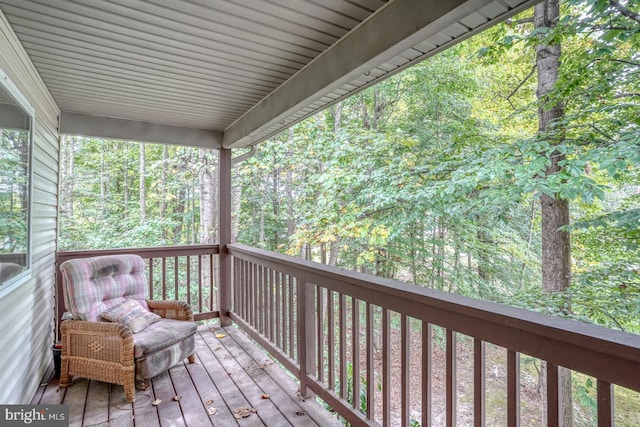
pixel 333 252
pixel 126 179
pixel 483 260
pixel 207 200
pixel 556 249
pixel 143 187
pixel 291 223
pixel 275 197
pixel 334 245
pixel 68 182
pixel 163 181
pixel 103 183
pixel 208 213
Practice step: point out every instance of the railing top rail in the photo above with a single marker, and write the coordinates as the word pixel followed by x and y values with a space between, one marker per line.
pixel 607 354
pixel 150 252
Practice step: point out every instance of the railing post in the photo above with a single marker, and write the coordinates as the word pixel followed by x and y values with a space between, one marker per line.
pixel 224 235
pixel 306 332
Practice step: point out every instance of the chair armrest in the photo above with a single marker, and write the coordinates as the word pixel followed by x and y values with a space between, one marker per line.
pixel 106 341
pixel 178 310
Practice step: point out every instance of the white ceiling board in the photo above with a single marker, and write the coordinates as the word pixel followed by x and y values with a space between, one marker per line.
pixel 249 68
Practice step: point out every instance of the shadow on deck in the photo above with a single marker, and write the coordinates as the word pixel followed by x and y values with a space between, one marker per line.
pixel 230 373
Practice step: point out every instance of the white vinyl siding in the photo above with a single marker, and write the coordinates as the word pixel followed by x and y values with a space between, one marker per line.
pixel 27 312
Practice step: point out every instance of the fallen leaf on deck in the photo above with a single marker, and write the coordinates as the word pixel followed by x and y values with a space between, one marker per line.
pixel 265 396
pixel 177 397
pixel 143 386
pixel 300 412
pixel 156 402
pixel 212 411
pixel 219 336
pixel 242 412
pixel 209 402
pixel 217 348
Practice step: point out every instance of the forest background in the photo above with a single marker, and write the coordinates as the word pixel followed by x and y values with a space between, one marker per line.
pixel 433 177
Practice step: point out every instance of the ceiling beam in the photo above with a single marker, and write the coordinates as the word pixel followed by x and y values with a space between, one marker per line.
pixel 395 28
pixel 133 130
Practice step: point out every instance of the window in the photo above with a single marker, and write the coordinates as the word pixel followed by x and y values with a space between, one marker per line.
pixel 15 186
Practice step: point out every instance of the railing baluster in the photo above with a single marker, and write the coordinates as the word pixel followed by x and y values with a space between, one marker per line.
pixel 239 283
pixel 151 294
pixel 164 278
pixel 272 308
pixel 252 295
pixel 386 367
pixel 235 276
pixel 245 289
pixel 478 382
pixel 342 316
pixel 249 292
pixel 370 363
pixel 278 310
pixel 285 313
pixel 513 388
pixel 260 300
pixel 176 279
pixel 303 301
pixel 405 363
pixel 189 279
pixel 553 409
pixel 355 351
pixel 331 340
pixel 320 332
pixel 451 378
pixel 200 283
pixel 264 307
pixel 605 404
pixel 427 336
pixel 292 348
pixel 307 338
pixel 212 294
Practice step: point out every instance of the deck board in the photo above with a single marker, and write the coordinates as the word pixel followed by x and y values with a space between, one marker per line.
pixel 191 405
pixel 208 392
pixel 230 372
pixel 266 411
pixel 120 411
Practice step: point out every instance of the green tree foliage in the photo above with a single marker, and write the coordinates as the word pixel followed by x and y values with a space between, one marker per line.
pixel 435 175
pixel 100 195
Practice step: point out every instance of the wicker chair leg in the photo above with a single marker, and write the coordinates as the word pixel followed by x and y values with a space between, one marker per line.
pixel 65 378
pixel 192 358
pixel 130 391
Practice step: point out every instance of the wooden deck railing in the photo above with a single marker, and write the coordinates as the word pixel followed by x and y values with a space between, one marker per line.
pixel 187 273
pixel 350 339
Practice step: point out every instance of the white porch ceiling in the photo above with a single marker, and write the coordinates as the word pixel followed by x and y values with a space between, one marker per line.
pixel 244 69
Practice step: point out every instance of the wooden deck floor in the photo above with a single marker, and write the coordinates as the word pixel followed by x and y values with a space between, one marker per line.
pixel 231 373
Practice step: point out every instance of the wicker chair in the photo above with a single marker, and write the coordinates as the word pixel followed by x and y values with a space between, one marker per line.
pixel 111 352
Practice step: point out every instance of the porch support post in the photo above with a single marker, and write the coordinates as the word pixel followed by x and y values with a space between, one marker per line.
pixel 224 235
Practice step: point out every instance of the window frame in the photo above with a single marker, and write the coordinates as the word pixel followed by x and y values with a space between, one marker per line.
pixel 25 276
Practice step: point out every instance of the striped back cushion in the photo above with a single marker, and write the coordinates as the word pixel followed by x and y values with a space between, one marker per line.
pixel 93 285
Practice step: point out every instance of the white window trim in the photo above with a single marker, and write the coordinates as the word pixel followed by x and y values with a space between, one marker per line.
pixel 24 277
